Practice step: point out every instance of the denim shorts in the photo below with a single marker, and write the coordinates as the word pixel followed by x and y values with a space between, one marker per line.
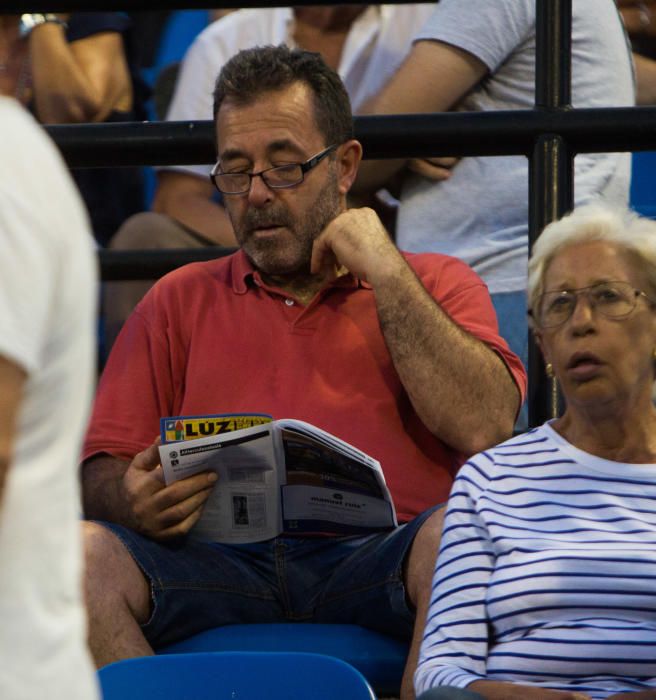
pixel 198 585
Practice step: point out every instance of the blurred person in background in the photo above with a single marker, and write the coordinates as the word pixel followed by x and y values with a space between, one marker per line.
pixel 479 56
pixel 640 21
pixel 77 68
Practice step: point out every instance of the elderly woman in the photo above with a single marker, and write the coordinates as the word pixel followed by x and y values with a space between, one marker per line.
pixel 545 585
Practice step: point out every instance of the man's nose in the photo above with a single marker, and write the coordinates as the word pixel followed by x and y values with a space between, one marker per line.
pixel 260 193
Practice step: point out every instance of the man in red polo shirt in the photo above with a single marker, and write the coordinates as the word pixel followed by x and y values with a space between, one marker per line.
pixel 317 317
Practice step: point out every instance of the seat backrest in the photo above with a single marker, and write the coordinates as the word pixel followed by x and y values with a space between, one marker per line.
pixel 233 676
pixel 643 183
pixel 380 658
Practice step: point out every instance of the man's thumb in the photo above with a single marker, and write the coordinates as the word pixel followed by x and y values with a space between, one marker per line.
pixel 148 459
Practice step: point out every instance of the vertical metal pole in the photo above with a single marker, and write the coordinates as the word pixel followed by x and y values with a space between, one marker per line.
pixel 551 165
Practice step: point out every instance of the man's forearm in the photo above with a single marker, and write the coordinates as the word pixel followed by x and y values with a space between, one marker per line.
pixel 102 492
pixel 459 387
pixel 78 82
pixel 433 78
pixel 646 80
pixel 374 174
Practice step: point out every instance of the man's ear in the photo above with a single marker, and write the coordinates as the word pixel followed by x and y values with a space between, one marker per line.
pixel 349 155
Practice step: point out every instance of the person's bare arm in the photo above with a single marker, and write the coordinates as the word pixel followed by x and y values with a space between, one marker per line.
pixel 78 82
pixel 134 494
pixel 646 79
pixel 188 199
pixel 459 387
pixel 639 16
pixel 12 380
pixel 433 78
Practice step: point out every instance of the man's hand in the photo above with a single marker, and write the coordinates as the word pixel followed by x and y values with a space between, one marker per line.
pixel 159 511
pixel 358 241
pixel 437 169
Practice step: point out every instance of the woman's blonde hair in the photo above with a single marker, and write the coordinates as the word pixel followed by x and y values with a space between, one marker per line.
pixel 597 221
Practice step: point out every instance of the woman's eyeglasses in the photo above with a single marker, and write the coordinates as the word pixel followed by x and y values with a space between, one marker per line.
pixel 611 299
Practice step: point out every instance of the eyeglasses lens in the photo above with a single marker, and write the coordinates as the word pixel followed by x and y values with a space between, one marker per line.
pixel 612 299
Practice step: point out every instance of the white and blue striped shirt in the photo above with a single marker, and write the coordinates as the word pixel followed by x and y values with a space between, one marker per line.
pixel 547 572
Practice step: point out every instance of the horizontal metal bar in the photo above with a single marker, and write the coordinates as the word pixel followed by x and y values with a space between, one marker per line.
pixel 385 136
pixel 118 265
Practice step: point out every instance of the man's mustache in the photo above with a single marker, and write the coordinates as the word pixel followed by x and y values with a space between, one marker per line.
pixel 257 218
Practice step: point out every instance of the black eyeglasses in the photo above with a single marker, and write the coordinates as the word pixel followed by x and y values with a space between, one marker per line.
pixel 612 299
pixel 278 177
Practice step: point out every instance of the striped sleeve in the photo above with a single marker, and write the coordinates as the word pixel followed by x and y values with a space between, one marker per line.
pixel 455 644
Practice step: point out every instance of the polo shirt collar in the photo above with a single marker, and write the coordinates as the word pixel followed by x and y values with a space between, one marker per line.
pixel 243 271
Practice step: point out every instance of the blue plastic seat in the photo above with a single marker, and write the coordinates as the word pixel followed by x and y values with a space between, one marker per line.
pixel 380 658
pixel 181 28
pixel 643 183
pixel 233 676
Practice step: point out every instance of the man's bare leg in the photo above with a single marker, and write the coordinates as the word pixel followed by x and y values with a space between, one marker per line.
pixel 117 597
pixel 418 575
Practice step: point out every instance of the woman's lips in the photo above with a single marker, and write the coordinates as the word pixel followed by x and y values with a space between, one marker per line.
pixel 583 366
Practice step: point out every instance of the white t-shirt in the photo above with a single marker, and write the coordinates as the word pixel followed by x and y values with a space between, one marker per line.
pixel 48 287
pixel 379 39
pixel 480 214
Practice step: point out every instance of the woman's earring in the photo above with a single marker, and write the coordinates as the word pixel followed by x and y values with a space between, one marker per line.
pixel 550 373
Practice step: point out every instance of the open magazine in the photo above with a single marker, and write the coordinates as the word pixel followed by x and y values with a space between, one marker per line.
pixel 279 477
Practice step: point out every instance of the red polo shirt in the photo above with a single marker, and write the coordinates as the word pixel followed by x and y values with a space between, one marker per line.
pixel 213 338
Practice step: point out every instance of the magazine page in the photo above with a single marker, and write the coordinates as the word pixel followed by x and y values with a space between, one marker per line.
pixel 244 503
pixel 331 486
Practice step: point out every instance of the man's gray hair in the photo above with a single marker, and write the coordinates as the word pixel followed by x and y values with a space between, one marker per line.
pixel 253 72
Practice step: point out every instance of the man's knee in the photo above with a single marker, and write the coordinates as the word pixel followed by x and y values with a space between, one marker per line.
pixel 139 231
pixel 111 573
pixel 420 563
pixel 150 229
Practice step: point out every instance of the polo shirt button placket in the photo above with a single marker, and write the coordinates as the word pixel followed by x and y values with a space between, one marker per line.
pixel 289 302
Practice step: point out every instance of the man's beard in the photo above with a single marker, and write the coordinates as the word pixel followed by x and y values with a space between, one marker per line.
pixel 267 254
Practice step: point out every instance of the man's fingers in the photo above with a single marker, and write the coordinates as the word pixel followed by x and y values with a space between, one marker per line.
pixel 179 530
pixel 178 513
pixel 323 261
pixel 433 168
pixel 443 161
pixel 427 170
pixel 182 528
pixel 180 491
